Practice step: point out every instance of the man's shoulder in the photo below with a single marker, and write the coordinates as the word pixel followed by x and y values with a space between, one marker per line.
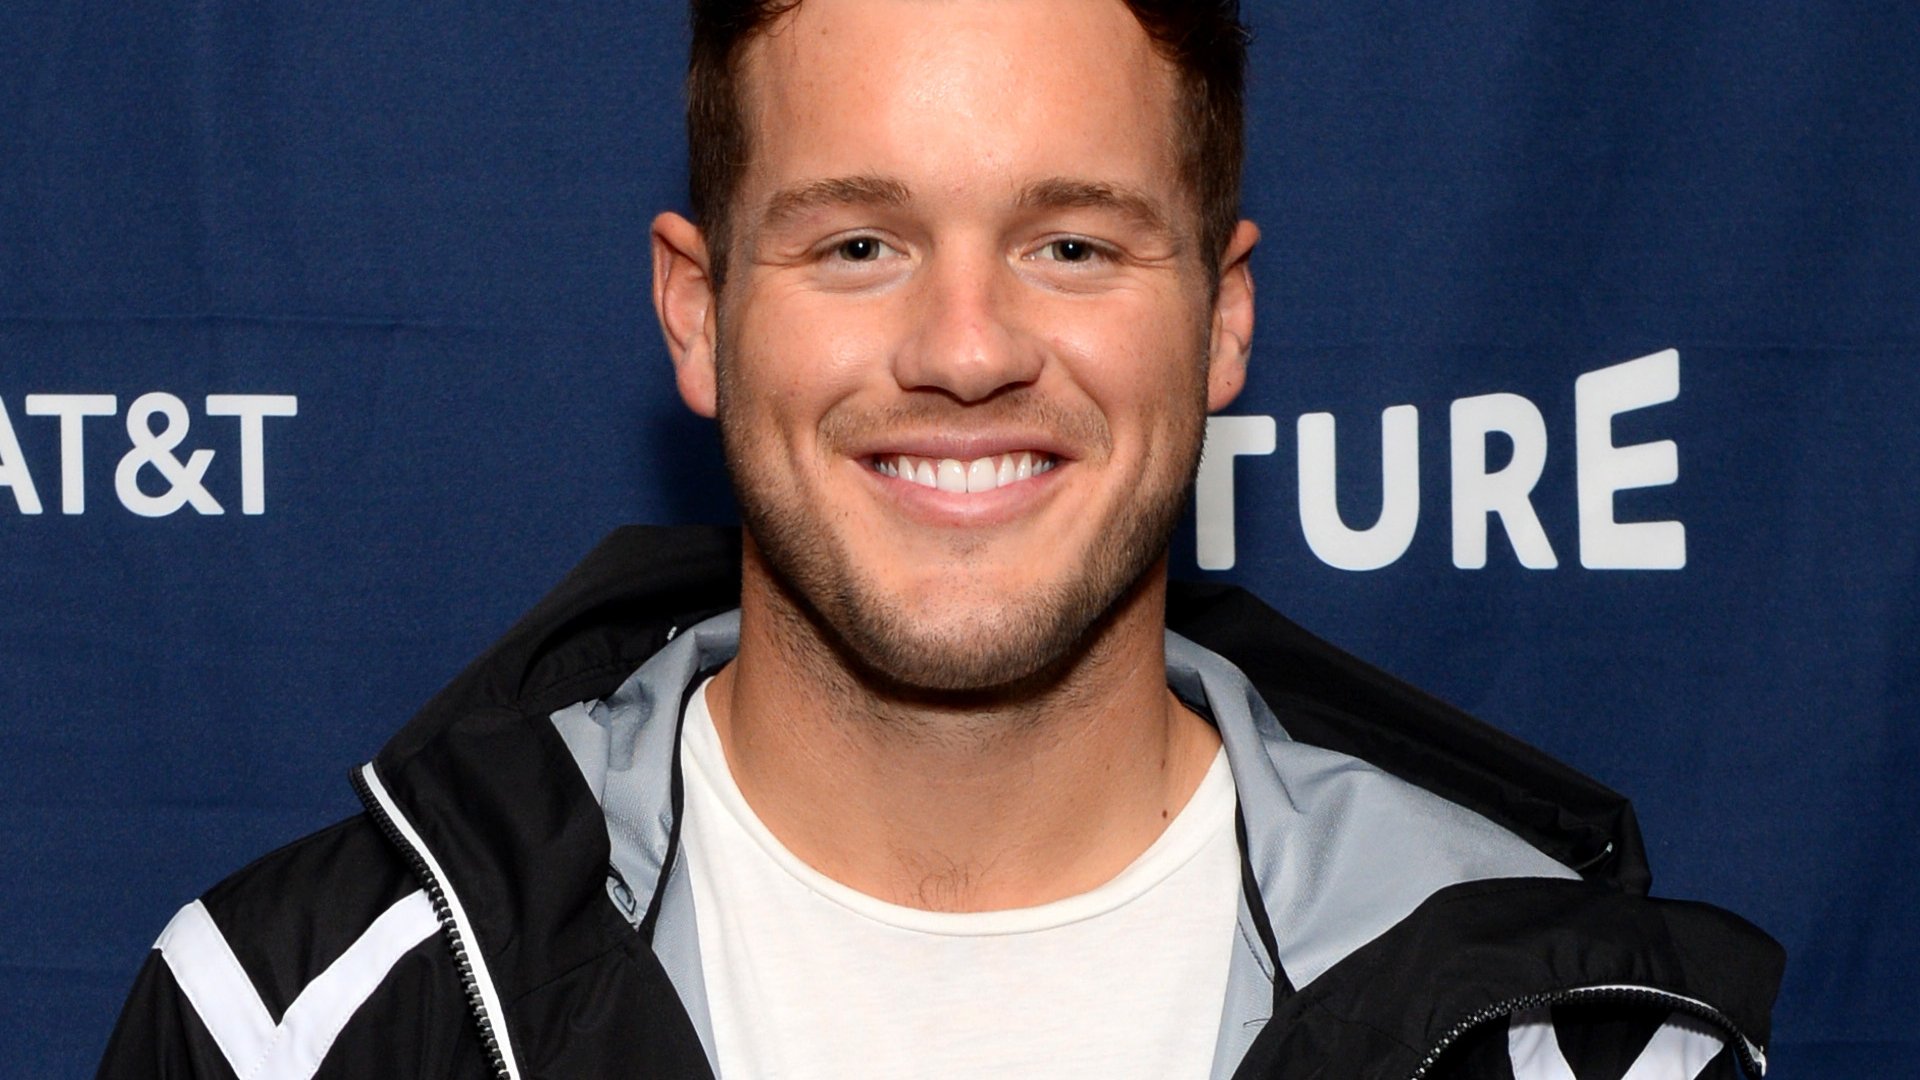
pixel 1324 696
pixel 1485 976
pixel 325 943
pixel 290 914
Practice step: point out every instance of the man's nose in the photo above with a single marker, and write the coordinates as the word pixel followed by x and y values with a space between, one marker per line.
pixel 967 339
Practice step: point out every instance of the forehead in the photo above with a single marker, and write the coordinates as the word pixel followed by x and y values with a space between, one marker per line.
pixel 955 97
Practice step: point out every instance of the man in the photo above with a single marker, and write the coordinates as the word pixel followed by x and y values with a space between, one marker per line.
pixel 944 797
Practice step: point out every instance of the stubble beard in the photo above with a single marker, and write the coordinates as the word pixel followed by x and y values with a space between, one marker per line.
pixel 1014 647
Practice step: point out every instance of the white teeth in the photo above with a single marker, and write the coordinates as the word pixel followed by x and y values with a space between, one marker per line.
pixel 980 475
pixel 952 474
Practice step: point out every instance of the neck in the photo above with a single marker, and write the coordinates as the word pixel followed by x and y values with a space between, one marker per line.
pixel 959 802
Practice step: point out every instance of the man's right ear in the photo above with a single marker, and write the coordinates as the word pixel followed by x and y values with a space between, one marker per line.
pixel 683 297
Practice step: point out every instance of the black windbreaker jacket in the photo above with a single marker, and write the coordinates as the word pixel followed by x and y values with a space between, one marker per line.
pixel 462 926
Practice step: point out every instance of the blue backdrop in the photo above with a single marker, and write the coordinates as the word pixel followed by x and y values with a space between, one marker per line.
pixel 369 278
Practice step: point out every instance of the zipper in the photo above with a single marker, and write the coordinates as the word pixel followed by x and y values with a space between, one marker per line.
pixel 1753 1058
pixel 474 980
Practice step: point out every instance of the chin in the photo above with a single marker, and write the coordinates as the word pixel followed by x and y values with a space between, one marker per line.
pixel 978 649
pixel 914 641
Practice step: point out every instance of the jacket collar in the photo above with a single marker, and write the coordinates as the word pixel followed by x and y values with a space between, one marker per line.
pixel 1340 850
pixel 479 769
pixel 1317 740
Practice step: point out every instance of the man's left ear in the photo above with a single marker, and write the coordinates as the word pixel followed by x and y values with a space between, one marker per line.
pixel 1232 337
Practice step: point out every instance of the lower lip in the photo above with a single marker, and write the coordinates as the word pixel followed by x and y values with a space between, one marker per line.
pixel 966 509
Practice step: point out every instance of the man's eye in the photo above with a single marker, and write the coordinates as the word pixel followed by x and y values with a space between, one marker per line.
pixel 860 249
pixel 1070 250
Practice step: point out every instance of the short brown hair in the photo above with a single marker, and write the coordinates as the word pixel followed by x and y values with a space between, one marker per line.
pixel 1203 39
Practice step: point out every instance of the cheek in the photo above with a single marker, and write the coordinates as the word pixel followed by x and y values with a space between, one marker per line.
pixel 1144 368
pixel 808 339
pixel 786 362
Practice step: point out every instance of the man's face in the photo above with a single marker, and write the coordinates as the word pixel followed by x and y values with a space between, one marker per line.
pixel 963 345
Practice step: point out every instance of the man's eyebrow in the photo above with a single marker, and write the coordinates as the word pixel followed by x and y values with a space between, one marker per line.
pixel 1065 194
pixel 791 202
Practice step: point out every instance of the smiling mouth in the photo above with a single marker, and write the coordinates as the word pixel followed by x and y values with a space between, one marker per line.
pixel 952 474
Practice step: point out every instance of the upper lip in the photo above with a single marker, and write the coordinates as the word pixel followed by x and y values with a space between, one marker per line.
pixel 962 446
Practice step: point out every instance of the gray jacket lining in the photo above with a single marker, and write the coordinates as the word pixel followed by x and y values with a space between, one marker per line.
pixel 1341 850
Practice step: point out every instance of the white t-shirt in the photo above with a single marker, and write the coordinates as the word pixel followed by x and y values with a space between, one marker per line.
pixel 808 978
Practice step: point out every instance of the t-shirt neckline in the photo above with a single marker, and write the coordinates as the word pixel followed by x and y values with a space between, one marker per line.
pixel 1208 809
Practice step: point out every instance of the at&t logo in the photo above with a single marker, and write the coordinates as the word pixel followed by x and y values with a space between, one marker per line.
pixel 154 477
